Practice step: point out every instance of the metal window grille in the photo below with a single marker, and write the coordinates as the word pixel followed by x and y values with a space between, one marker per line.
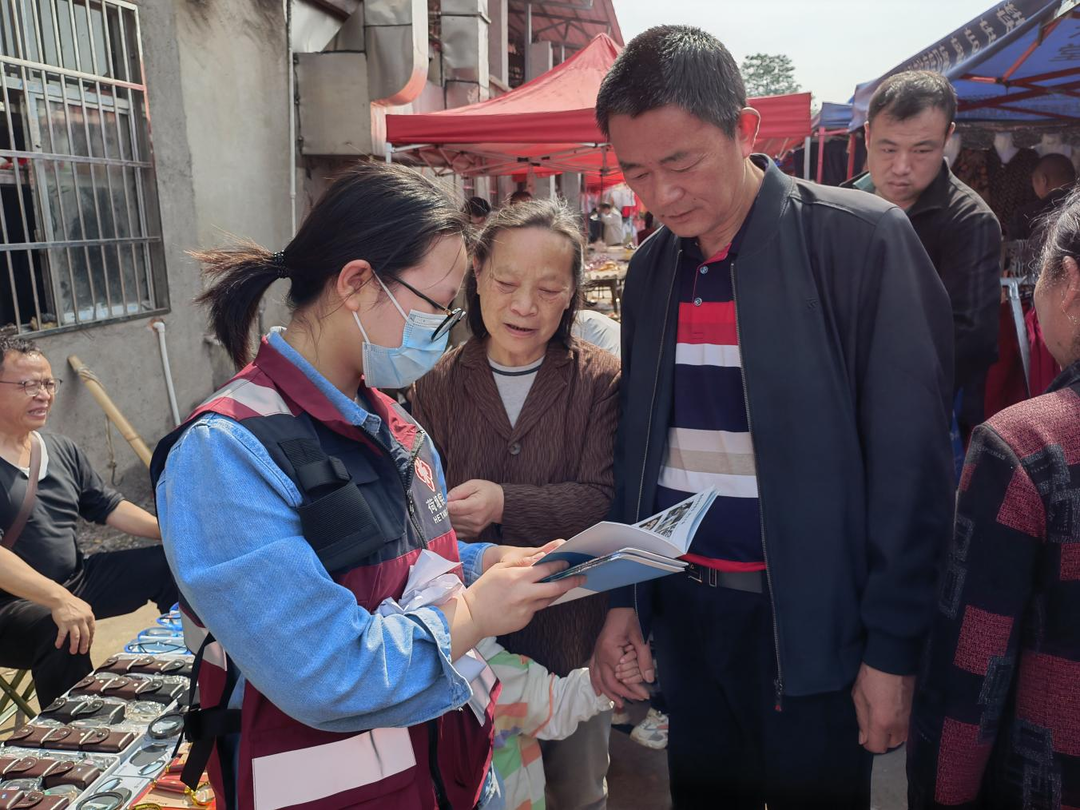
pixel 80 230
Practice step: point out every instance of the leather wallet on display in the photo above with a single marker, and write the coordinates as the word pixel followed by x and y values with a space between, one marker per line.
pixel 65 738
pixel 31 800
pixel 66 709
pixel 124 688
pixel 146 665
pixel 29 736
pixel 94 686
pixel 158 691
pixel 79 774
pixel 69 738
pixel 105 740
pixel 52 772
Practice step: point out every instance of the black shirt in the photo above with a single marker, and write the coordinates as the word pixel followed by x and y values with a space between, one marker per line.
pixel 1027 217
pixel 70 490
pixel 963 239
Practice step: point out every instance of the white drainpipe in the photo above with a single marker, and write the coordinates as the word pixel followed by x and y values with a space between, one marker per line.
pixel 159 327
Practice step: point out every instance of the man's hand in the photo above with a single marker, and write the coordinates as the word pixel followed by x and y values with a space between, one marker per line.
pixel 883 708
pixel 474 506
pixel 620 629
pixel 75 621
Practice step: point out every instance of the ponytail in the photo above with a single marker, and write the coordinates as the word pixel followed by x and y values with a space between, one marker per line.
pixel 386 214
pixel 239 277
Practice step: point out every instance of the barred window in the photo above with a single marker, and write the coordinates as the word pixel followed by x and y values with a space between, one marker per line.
pixel 80 230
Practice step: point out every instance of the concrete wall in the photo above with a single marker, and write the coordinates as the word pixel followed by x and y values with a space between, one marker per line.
pixel 234 77
pixel 217 84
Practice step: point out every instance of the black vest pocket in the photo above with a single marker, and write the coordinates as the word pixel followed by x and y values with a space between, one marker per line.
pixel 341 528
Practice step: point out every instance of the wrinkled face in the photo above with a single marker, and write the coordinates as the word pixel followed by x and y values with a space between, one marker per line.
pixel 905 156
pixel 19 414
pixel 525 287
pixel 1057 303
pixel 686 172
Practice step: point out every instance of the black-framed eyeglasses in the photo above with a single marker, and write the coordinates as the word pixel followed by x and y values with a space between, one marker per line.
pixel 453 316
pixel 32 387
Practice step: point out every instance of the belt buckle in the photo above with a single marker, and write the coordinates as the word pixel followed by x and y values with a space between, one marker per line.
pixel 694 572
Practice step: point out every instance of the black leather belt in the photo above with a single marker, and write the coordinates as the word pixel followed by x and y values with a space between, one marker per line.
pixel 750 581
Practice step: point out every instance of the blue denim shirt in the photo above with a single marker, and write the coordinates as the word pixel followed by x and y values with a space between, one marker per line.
pixel 234 542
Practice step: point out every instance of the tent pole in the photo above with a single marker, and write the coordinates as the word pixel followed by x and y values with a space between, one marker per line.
pixel 820 154
pixel 389 153
pixel 806 157
pixel 851 144
pixel 528 41
pixel 603 171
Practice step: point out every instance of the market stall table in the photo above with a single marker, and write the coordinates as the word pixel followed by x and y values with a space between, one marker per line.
pixel 607 270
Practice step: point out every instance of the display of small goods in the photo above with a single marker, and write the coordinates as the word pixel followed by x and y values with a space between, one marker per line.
pixel 111 741
pixel 612 261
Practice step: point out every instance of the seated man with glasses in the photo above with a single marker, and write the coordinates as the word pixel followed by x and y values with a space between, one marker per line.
pixel 49 593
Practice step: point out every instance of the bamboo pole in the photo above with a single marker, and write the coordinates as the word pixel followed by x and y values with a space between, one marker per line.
pixel 97 391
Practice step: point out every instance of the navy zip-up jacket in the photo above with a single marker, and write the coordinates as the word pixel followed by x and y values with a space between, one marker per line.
pixel 845 332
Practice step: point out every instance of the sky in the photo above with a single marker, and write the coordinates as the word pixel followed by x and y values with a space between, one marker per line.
pixel 834 44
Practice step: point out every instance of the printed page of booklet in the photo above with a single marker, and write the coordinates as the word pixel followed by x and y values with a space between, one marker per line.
pixel 613 555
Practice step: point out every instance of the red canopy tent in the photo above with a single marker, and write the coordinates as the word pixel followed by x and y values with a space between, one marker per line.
pixel 548 125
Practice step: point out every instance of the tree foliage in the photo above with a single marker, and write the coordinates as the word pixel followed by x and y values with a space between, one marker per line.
pixel 769 74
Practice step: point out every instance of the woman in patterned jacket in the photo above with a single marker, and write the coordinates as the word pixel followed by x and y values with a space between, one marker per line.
pixel 996 721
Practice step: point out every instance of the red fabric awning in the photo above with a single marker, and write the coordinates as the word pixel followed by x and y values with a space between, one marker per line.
pixel 783 117
pixel 555 107
pixel 554 114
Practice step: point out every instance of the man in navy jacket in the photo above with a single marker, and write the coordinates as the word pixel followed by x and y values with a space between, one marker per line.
pixel 791 345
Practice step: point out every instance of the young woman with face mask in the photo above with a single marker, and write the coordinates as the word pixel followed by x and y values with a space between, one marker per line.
pixel 297 502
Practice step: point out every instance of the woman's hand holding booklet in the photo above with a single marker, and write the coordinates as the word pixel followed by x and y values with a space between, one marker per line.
pixel 612 555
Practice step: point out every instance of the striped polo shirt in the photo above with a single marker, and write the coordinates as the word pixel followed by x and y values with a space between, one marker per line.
pixel 708 442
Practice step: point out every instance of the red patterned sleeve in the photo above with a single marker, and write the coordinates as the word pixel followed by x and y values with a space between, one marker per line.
pixel 971 659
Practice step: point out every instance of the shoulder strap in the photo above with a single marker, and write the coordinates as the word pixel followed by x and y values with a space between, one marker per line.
pixel 11 536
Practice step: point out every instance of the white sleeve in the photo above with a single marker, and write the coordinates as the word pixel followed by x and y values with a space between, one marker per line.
pixel 554 706
pixel 570 701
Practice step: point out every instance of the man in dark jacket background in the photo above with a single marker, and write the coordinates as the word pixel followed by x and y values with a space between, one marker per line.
pixel 790 345
pixel 910 119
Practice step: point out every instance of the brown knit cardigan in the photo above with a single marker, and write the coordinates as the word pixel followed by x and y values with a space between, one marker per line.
pixel 555 465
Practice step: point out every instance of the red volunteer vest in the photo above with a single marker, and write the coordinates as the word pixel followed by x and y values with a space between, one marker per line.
pixel 282 762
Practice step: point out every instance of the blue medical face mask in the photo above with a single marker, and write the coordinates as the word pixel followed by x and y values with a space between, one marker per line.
pixel 401 366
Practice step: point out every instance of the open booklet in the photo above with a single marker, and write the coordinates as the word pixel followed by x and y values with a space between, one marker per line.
pixel 611 555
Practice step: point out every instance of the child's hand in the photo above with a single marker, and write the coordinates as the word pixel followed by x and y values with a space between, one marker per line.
pixel 627 670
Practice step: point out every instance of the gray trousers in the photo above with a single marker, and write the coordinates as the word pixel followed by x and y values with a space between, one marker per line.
pixel 576 768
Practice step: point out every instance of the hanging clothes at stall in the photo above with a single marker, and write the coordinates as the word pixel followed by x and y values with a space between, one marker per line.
pixel 1004 185
pixel 1043 366
pixel 972 168
pixel 1005 384
pixel 1010 183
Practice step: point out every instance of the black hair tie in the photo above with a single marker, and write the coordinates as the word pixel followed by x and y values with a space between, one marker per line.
pixel 278 261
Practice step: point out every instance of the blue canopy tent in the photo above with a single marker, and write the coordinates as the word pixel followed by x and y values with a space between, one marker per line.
pixel 832 117
pixel 831 120
pixel 1016 63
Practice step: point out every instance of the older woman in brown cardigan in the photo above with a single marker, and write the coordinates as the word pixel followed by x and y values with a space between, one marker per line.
pixel 524 417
